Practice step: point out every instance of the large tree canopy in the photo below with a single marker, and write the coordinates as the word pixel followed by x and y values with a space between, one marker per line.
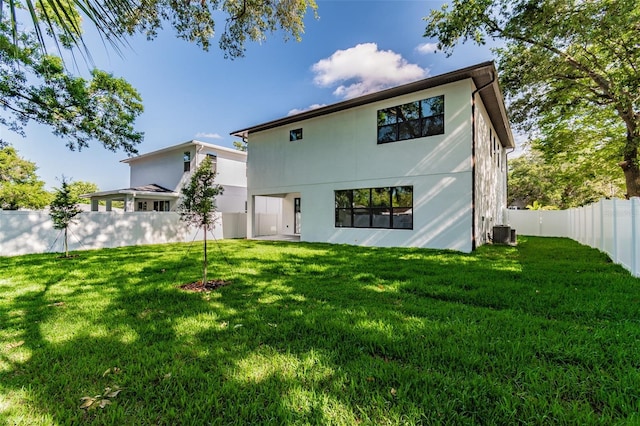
pixel 559 59
pixel 20 187
pixel 192 20
pixel 36 86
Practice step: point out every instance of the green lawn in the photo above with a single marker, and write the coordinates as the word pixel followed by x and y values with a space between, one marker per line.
pixel 547 332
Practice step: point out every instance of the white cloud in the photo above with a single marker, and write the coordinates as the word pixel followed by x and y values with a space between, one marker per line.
pixel 426 48
pixel 364 69
pixel 208 135
pixel 298 111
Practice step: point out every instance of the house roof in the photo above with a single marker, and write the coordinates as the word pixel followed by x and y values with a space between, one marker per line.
pixel 186 145
pixel 483 74
pixel 138 191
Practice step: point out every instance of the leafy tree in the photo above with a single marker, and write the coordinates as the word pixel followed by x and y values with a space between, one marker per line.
pixel 63 210
pixel 80 187
pixel 198 204
pixel 35 87
pixel 559 59
pixel 241 145
pixel 20 187
pixel 192 20
pixel 561 182
pixel 571 162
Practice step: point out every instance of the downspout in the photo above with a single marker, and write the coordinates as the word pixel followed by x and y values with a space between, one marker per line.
pixel 473 159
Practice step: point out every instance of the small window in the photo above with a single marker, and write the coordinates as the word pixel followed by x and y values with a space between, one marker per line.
pixel 187 161
pixel 142 206
pixel 295 135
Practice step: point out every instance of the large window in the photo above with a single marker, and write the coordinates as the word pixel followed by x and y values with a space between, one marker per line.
pixel 412 120
pixel 388 207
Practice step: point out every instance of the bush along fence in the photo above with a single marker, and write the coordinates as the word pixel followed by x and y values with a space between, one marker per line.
pixel 612 226
pixel 25 232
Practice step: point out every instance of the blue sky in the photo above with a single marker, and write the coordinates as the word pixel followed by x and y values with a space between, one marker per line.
pixel 354 47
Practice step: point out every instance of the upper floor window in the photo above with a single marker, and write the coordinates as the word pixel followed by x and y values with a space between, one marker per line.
pixel 187 161
pixel 295 135
pixel 214 162
pixel 412 120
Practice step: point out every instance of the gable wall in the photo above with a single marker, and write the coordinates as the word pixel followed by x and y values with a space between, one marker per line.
pixel 340 151
pixel 164 169
pixel 167 169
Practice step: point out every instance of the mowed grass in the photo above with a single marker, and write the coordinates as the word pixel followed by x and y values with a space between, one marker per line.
pixel 547 332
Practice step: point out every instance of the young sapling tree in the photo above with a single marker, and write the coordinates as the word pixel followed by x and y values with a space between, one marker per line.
pixel 198 204
pixel 63 210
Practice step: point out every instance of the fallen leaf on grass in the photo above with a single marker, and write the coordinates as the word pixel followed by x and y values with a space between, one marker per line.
pixel 15 345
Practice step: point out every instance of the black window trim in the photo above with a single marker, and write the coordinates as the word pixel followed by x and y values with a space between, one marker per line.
pixel 370 208
pixel 421 122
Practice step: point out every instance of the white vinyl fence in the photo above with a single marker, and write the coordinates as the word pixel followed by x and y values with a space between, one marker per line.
pixel 612 226
pixel 24 232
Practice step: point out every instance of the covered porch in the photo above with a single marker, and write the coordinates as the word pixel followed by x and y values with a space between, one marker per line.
pixel 275 217
pixel 142 198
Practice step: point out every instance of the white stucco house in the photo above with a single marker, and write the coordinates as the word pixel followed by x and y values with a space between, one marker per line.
pixel 419 165
pixel 156 178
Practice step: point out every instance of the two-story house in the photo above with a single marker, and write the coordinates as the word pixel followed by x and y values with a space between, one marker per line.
pixel 419 165
pixel 156 178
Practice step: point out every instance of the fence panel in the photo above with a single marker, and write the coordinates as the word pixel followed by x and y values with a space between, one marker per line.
pixel 612 226
pixel 25 232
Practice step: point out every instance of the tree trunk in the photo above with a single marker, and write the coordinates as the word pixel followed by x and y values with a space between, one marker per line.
pixel 66 244
pixel 204 266
pixel 630 165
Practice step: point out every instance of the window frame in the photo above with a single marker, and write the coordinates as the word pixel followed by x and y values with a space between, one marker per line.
pixel 359 208
pixel 411 120
pixel 186 159
pixel 295 135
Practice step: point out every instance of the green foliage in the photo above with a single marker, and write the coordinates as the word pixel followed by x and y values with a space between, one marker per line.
pixel 241 145
pixel 64 210
pixel 192 20
pixel 546 332
pixel 20 187
pixel 80 187
pixel 37 88
pixel 562 60
pixel 559 182
pixel 198 204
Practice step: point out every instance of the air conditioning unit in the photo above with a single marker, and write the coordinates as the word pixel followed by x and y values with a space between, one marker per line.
pixel 502 234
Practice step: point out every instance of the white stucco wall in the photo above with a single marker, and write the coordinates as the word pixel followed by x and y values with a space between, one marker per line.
pixel 491 176
pixel 340 151
pixel 166 169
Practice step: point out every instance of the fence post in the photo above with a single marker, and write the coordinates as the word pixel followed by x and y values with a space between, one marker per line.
pixel 601 204
pixel 615 231
pixel 635 237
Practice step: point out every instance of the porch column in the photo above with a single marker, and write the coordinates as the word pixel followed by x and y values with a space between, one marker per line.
pixel 108 205
pixel 129 203
pixel 94 204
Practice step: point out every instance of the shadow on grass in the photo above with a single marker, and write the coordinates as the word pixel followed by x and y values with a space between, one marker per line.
pixel 316 333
